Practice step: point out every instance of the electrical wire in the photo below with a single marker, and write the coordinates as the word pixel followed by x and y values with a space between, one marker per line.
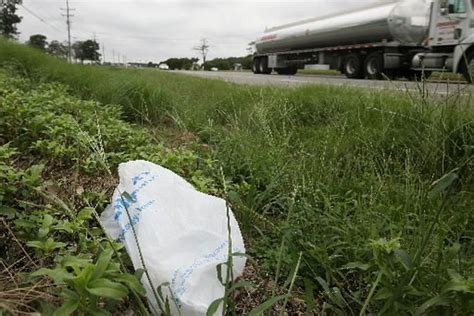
pixel 40 18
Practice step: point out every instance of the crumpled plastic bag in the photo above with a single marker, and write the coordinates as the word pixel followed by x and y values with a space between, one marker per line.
pixel 182 233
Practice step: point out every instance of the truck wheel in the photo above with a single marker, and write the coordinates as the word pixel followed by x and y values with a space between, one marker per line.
pixel 290 71
pixel 352 66
pixel 256 66
pixel 263 66
pixel 374 66
pixel 468 71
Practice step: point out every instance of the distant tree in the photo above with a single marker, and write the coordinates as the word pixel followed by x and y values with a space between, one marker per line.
pixel 203 49
pixel 181 63
pixel 86 50
pixel 251 48
pixel 246 61
pixel 8 18
pixel 57 49
pixel 90 50
pixel 77 51
pixel 150 64
pixel 220 63
pixel 228 63
pixel 38 41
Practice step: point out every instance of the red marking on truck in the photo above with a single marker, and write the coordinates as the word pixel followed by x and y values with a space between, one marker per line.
pixel 269 37
pixel 449 23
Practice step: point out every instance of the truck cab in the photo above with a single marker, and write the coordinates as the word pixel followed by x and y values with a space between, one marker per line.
pixel 451 38
pixel 453 22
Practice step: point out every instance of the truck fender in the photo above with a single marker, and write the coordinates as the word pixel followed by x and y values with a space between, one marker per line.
pixel 462 50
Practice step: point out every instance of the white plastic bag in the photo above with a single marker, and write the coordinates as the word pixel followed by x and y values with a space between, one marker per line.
pixel 182 233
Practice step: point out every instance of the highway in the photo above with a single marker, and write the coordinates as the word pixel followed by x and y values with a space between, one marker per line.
pixel 432 87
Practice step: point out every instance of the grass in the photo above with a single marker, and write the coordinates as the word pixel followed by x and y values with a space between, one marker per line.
pixel 380 184
pixel 446 76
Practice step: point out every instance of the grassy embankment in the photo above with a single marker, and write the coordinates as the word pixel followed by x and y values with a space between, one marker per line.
pixel 340 176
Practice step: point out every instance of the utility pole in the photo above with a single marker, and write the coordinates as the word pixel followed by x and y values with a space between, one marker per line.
pixel 203 49
pixel 103 53
pixel 95 42
pixel 68 22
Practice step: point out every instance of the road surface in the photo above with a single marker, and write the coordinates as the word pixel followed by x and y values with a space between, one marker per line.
pixel 300 80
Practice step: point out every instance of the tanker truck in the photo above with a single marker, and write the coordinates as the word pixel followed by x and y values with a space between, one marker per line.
pixel 409 38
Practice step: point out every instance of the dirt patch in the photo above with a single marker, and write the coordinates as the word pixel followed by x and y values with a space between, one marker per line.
pixel 264 288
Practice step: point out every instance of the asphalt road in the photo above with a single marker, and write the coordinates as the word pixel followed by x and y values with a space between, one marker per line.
pixel 300 80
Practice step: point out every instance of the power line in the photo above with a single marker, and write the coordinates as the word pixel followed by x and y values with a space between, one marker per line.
pixel 40 18
pixel 222 39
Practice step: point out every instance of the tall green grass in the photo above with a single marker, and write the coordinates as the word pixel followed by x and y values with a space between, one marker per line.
pixel 358 169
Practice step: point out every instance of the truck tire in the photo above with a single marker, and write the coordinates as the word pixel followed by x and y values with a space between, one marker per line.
pixel 263 66
pixel 353 67
pixel 468 70
pixel 373 66
pixel 292 71
pixel 256 66
pixel 289 71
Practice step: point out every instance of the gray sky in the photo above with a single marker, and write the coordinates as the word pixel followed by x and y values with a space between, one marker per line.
pixel 154 30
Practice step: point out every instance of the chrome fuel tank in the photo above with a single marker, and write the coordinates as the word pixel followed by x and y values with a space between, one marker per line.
pixel 404 21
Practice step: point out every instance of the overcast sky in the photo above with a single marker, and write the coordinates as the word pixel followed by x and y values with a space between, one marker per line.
pixel 154 30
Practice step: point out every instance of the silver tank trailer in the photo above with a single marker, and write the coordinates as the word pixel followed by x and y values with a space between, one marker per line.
pixel 405 21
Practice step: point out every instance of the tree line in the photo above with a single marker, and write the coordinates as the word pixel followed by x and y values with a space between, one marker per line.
pixel 80 50
pixel 228 63
pixel 219 63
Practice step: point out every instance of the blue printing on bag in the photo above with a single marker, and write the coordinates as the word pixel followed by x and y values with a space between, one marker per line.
pixel 124 202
